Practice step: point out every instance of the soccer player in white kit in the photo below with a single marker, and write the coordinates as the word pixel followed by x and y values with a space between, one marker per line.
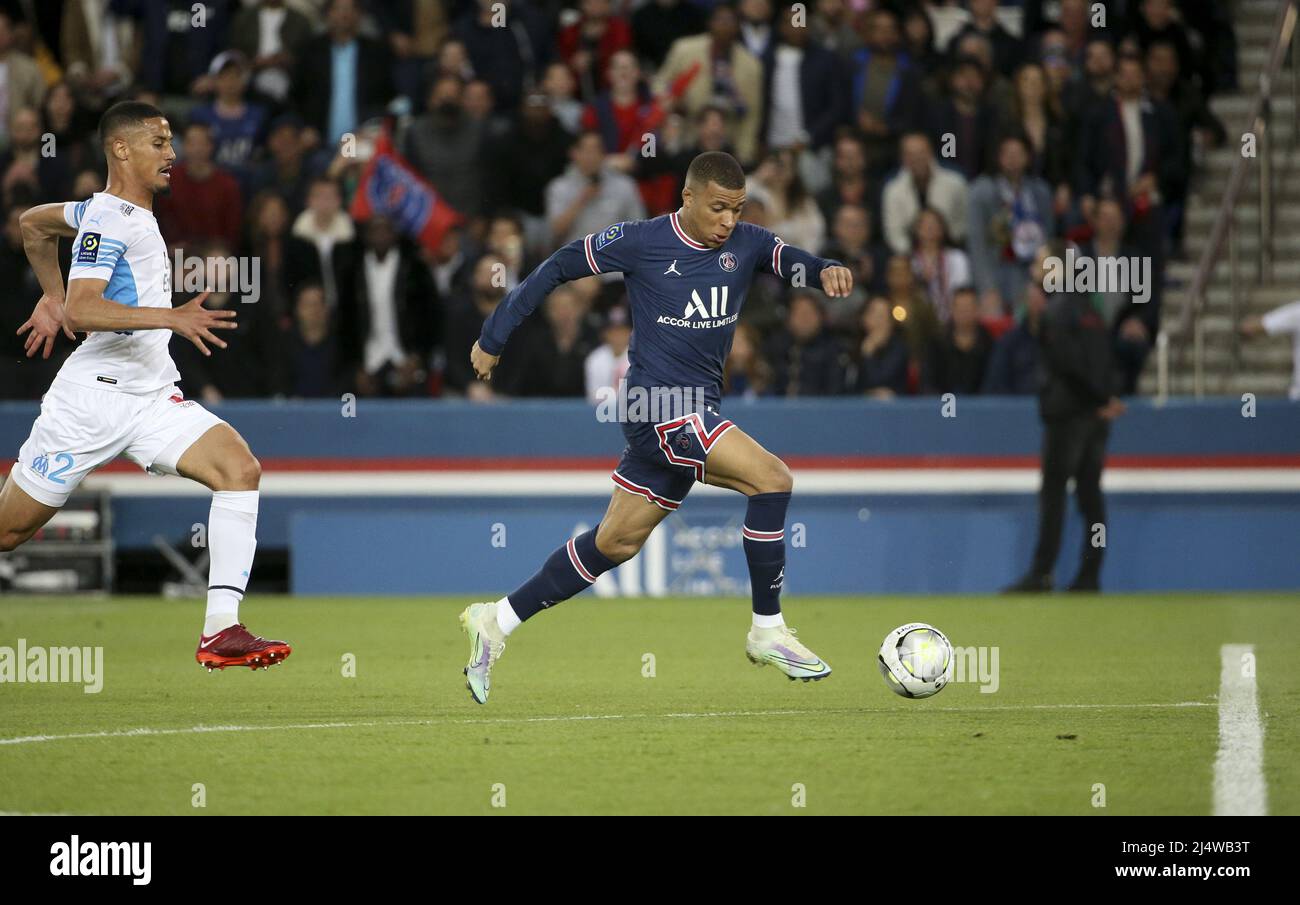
pixel 116 394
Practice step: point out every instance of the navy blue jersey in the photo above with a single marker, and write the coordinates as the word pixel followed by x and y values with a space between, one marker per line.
pixel 685 297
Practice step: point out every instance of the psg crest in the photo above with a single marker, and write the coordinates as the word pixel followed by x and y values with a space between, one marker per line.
pixel 727 261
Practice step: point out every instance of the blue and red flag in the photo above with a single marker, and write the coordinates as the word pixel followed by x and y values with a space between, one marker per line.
pixel 390 187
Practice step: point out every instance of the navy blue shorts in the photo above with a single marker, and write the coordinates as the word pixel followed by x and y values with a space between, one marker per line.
pixel 663 461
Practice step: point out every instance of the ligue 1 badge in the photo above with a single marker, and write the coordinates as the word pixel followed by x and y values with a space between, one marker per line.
pixel 727 260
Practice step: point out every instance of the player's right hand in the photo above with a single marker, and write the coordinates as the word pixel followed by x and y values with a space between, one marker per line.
pixel 483 363
pixel 45 323
pixel 196 323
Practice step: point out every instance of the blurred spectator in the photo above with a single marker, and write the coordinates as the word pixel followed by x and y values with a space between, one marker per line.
pixel 285 170
pixel 286 261
pixel 33 162
pixel 414 30
pixel 726 75
pixel 1095 85
pixel 519 180
pixel 1132 323
pixel 250 366
pixel 1155 21
pixel 508 43
pixel 656 24
pixel 589 44
pixel 480 107
pixel 272 35
pixel 623 115
pixel 204 202
pixel 792 213
pixel 853 245
pixel 832 24
pixel 747 373
pixel 606 366
pixel 962 123
pixel 882 360
pixel 921 182
pixel 554 355
pixel 74 130
pixel 387 322
pixel 505 239
pixel 1015 364
pixel 849 180
pixel 756 26
pixel 885 89
pixel 1198 127
pixel 712 132
pixel 1132 150
pixel 939 266
pixel 959 357
pixel 174 55
pixel 332 235
pixel 236 126
pixel 807 360
pixel 997 91
pixel 1007 48
pixel 462 324
pixel 1010 217
pixel 446 147
pixel 1038 117
pixel 313 367
pixel 803 82
pixel 341 78
pixel 99 48
pixel 918 43
pixel 22 86
pixel 589 195
pixel 910 307
pixel 560 89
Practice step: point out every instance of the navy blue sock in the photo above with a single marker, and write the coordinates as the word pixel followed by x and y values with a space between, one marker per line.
pixel 570 569
pixel 764 540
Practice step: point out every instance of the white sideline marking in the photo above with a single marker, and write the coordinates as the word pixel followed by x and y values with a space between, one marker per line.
pixel 1239 789
pixel 293 727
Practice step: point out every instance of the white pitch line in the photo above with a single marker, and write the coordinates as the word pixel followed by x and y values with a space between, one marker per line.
pixel 1239 789
pixel 146 731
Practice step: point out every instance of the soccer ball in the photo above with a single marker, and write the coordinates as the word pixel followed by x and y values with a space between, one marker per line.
pixel 916 660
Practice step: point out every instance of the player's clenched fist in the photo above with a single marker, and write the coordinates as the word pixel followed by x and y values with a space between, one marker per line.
pixel 837 281
pixel 483 363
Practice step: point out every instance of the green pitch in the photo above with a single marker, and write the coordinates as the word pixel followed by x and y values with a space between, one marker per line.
pixel 1116 691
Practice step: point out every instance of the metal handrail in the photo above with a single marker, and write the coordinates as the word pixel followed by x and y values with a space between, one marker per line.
pixel 1190 320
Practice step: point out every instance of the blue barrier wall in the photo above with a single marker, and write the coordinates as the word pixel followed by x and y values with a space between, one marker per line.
pixel 853 543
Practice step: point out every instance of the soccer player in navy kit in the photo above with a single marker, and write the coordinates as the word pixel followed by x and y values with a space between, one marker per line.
pixel 686 274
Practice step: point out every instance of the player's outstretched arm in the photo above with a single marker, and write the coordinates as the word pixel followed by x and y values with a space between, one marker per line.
pixel 800 268
pixel 593 254
pixel 89 311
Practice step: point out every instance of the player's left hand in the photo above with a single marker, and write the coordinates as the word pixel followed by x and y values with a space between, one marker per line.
pixel 45 323
pixel 837 281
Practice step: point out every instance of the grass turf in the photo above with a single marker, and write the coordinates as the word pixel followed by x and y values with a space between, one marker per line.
pixel 574 726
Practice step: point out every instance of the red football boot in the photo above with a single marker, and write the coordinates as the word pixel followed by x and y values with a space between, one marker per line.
pixel 236 646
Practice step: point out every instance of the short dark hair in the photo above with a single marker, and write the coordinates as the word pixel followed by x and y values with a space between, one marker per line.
pixel 125 115
pixel 716 166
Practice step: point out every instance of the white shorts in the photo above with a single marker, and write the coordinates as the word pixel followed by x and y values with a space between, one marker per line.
pixel 81 429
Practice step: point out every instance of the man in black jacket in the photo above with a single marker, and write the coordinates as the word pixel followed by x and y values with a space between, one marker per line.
pixel 1077 404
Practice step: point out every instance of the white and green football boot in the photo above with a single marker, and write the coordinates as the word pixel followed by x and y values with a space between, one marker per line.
pixel 780 648
pixel 486 644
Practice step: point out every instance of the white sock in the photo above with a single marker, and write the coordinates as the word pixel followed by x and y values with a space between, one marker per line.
pixel 775 621
pixel 507 620
pixel 232 538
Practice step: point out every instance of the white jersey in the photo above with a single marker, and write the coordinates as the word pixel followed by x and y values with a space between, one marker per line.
pixel 119 242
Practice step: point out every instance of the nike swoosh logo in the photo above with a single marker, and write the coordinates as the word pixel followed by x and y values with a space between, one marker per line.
pixel 204 644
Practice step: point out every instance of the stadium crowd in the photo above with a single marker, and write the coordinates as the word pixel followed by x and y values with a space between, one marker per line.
pixel 923 145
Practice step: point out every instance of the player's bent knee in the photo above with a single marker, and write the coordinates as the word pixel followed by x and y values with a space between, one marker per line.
pixel 777 478
pixel 619 548
pixel 12 540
